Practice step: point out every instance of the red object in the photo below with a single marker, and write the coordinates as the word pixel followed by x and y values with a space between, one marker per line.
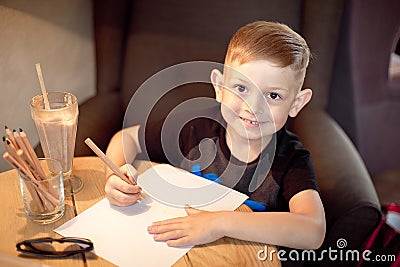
pixel 384 243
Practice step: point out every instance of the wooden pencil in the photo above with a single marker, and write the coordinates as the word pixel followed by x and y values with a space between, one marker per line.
pixel 10 136
pixel 10 148
pixel 17 153
pixel 27 157
pixel 107 161
pixel 31 152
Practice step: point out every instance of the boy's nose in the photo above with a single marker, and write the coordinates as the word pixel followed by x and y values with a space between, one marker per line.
pixel 256 104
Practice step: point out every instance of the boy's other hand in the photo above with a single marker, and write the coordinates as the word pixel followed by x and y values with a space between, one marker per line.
pixel 199 227
pixel 119 192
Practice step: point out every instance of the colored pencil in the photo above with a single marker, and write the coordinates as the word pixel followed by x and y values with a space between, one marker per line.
pixel 107 161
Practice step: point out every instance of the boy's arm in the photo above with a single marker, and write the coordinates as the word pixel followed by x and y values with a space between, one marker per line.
pixel 303 227
pixel 123 147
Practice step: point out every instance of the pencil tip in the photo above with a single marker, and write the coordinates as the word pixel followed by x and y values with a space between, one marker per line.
pixel 5 126
pixel 4 138
pixel 8 142
pixel 14 130
pixel 20 130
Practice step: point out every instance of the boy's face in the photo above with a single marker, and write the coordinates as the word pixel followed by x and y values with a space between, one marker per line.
pixel 257 98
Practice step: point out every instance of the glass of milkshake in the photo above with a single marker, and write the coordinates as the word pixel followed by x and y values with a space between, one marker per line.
pixel 56 127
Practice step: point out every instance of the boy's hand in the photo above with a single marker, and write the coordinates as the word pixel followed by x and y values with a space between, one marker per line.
pixel 199 227
pixel 119 192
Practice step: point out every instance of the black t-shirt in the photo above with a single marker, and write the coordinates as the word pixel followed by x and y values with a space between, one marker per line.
pixel 283 169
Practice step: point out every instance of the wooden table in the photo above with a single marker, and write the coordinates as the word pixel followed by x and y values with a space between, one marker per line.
pixel 15 227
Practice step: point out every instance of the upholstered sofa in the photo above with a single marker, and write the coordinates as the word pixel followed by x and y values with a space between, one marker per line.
pixel 136 39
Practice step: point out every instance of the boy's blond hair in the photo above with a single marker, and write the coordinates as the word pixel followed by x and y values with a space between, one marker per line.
pixel 275 42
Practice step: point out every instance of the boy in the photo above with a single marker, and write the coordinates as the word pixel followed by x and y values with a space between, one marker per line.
pixel 260 87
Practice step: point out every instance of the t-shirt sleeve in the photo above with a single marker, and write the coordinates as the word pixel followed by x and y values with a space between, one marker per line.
pixel 150 141
pixel 300 175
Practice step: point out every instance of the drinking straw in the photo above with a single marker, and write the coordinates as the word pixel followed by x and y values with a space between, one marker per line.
pixel 44 92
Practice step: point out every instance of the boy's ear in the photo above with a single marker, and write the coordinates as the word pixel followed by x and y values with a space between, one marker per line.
pixel 217 79
pixel 302 98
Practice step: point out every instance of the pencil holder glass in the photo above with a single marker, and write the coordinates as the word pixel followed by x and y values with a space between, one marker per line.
pixel 43 191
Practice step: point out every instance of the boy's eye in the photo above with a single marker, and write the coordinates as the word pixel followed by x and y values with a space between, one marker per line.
pixel 241 88
pixel 274 96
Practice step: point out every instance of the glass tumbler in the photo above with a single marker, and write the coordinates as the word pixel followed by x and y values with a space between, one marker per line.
pixel 56 128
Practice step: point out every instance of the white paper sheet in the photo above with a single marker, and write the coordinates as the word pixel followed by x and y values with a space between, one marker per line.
pixel 120 234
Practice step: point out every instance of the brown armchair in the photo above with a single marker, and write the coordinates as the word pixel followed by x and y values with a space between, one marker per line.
pixel 136 39
pixel 365 99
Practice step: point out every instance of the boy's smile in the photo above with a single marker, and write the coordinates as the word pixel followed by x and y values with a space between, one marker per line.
pixel 256 99
pixel 252 123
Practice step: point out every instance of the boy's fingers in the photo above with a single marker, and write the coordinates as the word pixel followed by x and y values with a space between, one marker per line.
pixel 129 189
pixel 119 184
pixel 120 199
pixel 130 171
pixel 189 210
pixel 184 241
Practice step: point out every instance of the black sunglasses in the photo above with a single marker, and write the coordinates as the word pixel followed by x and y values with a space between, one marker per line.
pixel 69 246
